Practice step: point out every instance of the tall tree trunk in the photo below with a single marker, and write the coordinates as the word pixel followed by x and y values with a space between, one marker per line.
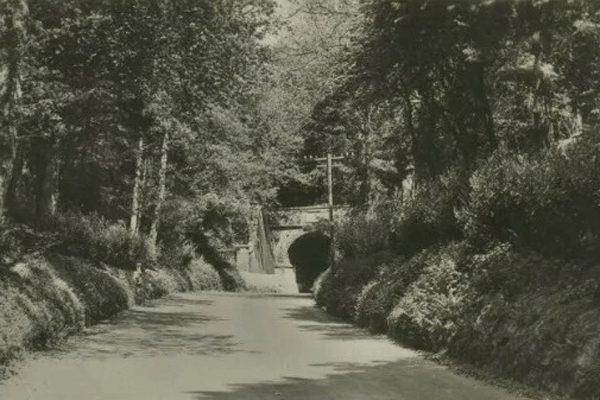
pixel 162 189
pixel 137 185
pixel 11 200
pixel 47 181
pixel 409 126
pixel 487 115
pixel 15 12
pixel 7 166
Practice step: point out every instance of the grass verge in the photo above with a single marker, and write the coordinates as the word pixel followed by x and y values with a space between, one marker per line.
pixel 44 299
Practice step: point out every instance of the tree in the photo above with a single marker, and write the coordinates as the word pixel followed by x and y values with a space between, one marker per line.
pixel 13 42
pixel 464 78
pixel 118 82
pixel 308 64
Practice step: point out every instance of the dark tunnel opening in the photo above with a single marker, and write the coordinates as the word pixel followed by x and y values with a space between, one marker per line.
pixel 309 254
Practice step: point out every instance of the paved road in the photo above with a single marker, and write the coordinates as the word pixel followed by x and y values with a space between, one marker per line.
pixel 221 346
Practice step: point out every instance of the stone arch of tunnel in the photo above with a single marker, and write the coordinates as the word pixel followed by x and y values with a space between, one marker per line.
pixel 282 240
pixel 309 254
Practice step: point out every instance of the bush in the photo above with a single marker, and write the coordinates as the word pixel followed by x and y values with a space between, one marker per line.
pixel 549 203
pixel 378 298
pixel 202 276
pixel 362 233
pixel 44 300
pixel 154 284
pixel 428 217
pixel 425 316
pixel 338 292
pixel 93 286
pixel 177 256
pixel 547 338
pixel 10 247
pixel 94 238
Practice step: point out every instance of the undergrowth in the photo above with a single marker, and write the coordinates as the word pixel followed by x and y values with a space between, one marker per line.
pixel 496 267
pixel 513 314
pixel 43 299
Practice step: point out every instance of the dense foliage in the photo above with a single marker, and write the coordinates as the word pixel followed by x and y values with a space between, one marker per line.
pixel 131 127
pixel 142 132
pixel 43 300
pixel 475 139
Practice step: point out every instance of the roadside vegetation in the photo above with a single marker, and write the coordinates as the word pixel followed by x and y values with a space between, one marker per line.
pixel 472 146
pixel 130 152
pixel 44 299
pixel 136 136
pixel 130 130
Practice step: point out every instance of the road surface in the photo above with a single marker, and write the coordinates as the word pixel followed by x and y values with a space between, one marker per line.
pixel 221 346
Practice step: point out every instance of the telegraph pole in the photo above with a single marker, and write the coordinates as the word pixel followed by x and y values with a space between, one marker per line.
pixel 329 160
pixel 330 202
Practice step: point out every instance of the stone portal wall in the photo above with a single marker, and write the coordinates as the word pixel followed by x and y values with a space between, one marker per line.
pixel 282 227
pixel 288 224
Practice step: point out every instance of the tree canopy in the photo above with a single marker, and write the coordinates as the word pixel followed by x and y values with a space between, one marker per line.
pixel 143 110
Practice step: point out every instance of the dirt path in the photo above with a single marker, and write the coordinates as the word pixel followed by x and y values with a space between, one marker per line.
pixel 235 347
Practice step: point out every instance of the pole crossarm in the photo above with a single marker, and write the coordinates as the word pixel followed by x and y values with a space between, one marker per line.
pixel 333 157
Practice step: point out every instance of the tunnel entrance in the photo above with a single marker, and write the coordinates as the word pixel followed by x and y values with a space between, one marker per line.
pixel 309 254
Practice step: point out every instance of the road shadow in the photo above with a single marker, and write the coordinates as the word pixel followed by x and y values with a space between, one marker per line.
pixel 330 327
pixel 178 301
pixel 410 378
pixel 168 327
pixel 312 313
pixel 307 296
pixel 263 295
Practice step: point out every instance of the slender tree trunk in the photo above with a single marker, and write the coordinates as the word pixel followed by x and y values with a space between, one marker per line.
pixel 47 187
pixel 409 126
pixel 11 200
pixel 367 171
pixel 486 107
pixel 10 98
pixel 162 189
pixel 137 185
pixel 7 168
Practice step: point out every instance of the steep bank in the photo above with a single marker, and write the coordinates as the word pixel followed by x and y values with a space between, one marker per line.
pixel 511 314
pixel 46 298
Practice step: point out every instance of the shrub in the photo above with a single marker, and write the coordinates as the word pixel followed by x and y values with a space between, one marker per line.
pixel 425 316
pixel 378 298
pixel 230 276
pixel 44 300
pixel 374 303
pixel 338 292
pixel 177 256
pixel 202 276
pixel 93 286
pixel 93 237
pixel 197 275
pixel 363 233
pixel 504 270
pixel 546 338
pixel 428 217
pixel 10 246
pixel 549 203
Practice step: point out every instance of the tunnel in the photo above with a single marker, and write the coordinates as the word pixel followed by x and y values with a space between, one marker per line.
pixel 309 254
